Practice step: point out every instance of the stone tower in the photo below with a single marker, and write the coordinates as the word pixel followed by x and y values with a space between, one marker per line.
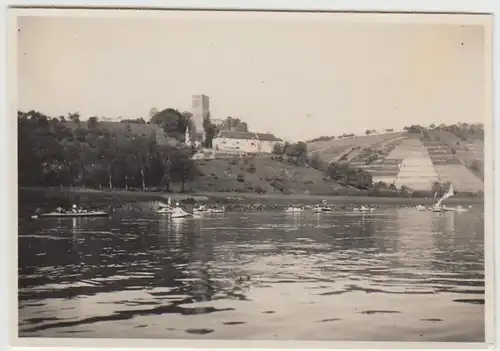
pixel 200 110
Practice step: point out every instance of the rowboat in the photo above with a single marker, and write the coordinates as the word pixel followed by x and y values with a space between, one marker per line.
pixel 320 209
pixel 203 210
pixel 164 210
pixel 180 213
pixel 71 214
pixel 208 211
pixel 421 208
pixel 292 209
pixel 364 209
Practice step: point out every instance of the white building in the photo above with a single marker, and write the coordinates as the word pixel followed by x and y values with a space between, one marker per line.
pixel 245 142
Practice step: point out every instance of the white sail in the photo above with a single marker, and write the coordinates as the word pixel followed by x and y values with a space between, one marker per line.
pixel 446 195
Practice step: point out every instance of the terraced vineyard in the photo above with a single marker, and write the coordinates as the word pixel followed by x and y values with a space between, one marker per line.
pixel 334 150
pixel 411 160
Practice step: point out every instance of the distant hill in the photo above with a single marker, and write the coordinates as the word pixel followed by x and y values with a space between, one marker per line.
pixel 416 158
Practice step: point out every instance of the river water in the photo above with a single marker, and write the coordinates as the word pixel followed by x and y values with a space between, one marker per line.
pixel 392 275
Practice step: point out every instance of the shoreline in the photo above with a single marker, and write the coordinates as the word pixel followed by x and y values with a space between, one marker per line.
pixel 41 195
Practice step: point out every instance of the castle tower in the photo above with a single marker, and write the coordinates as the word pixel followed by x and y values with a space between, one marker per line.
pixel 200 110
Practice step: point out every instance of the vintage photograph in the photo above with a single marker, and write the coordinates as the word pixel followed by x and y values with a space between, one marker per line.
pixel 230 175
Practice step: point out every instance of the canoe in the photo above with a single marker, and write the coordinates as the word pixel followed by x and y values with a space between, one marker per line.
pixel 293 210
pixel 364 209
pixel 164 210
pixel 322 209
pixel 182 214
pixel 70 214
pixel 208 210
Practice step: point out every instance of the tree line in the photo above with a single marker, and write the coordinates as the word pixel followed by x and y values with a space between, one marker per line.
pixel 51 152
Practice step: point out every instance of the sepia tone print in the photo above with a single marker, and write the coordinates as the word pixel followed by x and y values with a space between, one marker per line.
pixel 244 176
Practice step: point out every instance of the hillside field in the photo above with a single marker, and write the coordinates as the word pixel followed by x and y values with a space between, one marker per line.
pixel 260 174
pixel 415 160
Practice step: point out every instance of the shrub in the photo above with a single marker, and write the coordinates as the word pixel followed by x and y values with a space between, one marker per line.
pixel 259 189
pixel 251 168
pixel 475 166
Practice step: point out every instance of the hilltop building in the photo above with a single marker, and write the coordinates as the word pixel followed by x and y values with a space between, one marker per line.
pixel 245 142
pixel 200 109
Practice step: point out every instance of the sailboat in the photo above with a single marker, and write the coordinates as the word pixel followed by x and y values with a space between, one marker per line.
pixel 438 206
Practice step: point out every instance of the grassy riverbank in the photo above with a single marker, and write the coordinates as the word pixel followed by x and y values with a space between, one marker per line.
pixel 31 197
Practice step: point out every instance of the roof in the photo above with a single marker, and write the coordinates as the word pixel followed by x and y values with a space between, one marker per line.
pixel 247 135
pixel 236 135
pixel 267 137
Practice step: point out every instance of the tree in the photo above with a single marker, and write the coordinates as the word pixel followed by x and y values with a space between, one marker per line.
pixel 174 124
pixel 152 112
pixel 241 127
pixel 279 149
pixel 139 151
pixel 316 162
pixel 51 154
pixel 235 124
pixel 183 168
pixel 74 117
pixel 92 123
pixel 345 175
pixel 368 132
pixel 210 131
pixel 164 154
pixel 405 191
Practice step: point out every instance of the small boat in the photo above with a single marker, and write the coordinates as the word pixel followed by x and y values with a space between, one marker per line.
pixel 203 210
pixel 217 210
pixel 70 214
pixel 460 209
pixel 364 209
pixel 324 207
pixel 180 213
pixel 438 206
pixel 294 209
pixel 421 208
pixel 320 209
pixel 165 208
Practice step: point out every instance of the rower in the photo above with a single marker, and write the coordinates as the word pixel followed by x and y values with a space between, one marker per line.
pixel 74 208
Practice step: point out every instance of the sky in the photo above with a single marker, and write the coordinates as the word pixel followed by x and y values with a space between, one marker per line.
pixel 298 76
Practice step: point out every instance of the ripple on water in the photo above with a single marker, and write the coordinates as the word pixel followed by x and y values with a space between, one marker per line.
pixel 263 273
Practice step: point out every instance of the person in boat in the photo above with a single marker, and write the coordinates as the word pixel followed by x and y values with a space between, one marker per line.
pixel 59 210
pixel 75 208
pixel 200 207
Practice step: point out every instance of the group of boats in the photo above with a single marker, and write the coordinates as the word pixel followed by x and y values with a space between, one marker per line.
pixel 324 208
pixel 176 211
pixel 74 212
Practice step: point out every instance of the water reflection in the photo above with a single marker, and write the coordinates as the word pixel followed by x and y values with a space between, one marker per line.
pixel 268 272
